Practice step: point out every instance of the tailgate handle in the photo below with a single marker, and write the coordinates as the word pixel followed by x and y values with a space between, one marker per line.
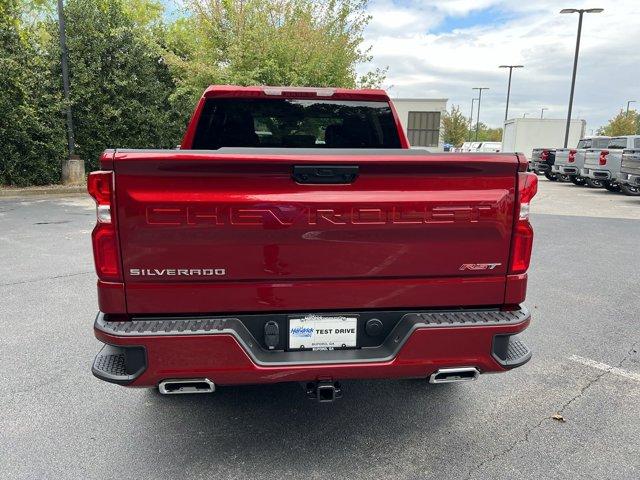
pixel 325 174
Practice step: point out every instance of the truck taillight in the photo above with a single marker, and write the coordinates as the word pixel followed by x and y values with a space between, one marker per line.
pixel 572 156
pixel 544 155
pixel 522 242
pixel 603 157
pixel 105 242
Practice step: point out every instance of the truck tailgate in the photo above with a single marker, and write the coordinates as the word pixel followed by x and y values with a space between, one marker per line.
pixel 231 231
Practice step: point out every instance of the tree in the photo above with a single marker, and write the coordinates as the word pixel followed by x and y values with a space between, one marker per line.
pixel 31 130
pixel 265 42
pixel 135 78
pixel 120 85
pixel 487 134
pixel 622 124
pixel 455 127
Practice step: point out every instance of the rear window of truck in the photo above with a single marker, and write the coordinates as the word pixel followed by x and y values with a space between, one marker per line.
pixel 618 142
pixel 600 143
pixel 584 143
pixel 295 123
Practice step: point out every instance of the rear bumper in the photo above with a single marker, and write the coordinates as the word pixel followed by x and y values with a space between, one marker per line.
pixel 596 174
pixel 565 170
pixel 143 352
pixel 629 179
pixel 542 167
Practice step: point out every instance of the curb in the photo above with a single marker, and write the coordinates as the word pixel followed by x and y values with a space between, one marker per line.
pixel 50 190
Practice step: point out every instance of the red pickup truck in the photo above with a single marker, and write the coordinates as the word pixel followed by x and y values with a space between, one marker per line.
pixel 295 236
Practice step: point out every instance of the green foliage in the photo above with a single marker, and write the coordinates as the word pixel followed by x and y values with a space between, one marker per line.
pixel 120 87
pixel 622 124
pixel 135 78
pixel 487 134
pixel 31 133
pixel 265 42
pixel 455 127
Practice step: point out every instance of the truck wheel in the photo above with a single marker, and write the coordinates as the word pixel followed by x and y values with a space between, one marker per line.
pixel 611 186
pixel 631 191
pixel 551 176
pixel 577 180
pixel 563 178
pixel 591 183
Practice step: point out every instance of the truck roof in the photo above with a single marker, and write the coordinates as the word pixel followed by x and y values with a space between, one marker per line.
pixel 296 92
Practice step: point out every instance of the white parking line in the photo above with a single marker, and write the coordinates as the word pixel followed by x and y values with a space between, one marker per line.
pixel 607 368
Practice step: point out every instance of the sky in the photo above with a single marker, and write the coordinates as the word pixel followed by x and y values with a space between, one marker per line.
pixel 443 48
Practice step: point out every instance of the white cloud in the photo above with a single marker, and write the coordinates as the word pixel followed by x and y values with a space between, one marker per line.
pixel 448 64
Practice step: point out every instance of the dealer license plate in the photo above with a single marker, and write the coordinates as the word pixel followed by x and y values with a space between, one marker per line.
pixel 318 332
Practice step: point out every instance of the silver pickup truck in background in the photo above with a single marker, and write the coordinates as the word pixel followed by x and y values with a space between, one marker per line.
pixel 604 164
pixel 569 161
pixel 630 171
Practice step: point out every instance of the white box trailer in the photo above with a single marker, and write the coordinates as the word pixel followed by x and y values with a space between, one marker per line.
pixel 524 134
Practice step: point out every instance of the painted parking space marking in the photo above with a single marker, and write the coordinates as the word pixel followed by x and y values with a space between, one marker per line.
pixel 621 372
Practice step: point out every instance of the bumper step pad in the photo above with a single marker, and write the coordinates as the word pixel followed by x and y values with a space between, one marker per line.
pixel 151 326
pixel 509 351
pixel 120 365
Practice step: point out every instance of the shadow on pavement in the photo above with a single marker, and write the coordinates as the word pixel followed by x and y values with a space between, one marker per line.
pixel 277 423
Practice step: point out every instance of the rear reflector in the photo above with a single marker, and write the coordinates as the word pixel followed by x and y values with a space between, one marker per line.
pixel 522 242
pixel 104 237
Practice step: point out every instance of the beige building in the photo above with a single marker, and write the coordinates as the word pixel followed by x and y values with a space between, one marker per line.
pixel 421 119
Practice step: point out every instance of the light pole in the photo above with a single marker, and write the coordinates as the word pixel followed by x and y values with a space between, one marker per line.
pixel 542 112
pixel 629 102
pixel 580 12
pixel 524 115
pixel 471 118
pixel 480 89
pixel 510 67
pixel 65 77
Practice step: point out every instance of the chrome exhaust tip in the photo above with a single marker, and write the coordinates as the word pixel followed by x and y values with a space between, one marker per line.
pixel 454 375
pixel 186 385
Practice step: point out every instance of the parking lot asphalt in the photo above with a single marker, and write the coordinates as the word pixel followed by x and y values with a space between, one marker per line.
pixel 58 421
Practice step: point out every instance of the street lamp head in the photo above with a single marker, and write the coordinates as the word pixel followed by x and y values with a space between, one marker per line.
pixel 511 66
pixel 582 10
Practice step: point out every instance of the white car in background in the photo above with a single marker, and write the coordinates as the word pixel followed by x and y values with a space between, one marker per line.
pixel 492 147
pixel 481 147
